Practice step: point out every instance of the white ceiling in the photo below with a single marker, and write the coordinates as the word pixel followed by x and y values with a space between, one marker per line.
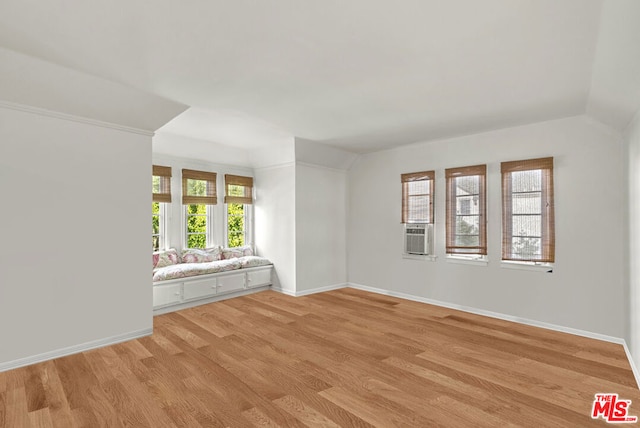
pixel 232 128
pixel 358 74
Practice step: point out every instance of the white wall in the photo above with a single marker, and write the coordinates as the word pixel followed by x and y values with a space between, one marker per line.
pixel 175 234
pixel 320 226
pixel 275 221
pixel 273 155
pixel 312 152
pixel 586 289
pixel 74 261
pixel 614 93
pixel 632 139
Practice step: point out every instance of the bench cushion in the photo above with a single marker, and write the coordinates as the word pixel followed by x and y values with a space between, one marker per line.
pixel 253 261
pixel 184 270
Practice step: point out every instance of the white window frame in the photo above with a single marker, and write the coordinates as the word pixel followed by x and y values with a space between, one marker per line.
pixel 209 231
pixel 533 265
pixel 429 178
pixel 462 258
pixel 248 225
pixel 162 225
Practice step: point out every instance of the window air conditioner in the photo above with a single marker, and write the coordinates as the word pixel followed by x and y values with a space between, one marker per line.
pixel 418 238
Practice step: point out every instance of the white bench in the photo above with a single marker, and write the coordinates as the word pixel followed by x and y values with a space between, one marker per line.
pixel 181 293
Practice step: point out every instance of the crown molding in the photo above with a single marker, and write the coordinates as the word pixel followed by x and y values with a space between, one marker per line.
pixel 72 118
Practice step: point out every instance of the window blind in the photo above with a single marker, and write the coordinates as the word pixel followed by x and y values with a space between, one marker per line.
pixel 238 189
pixel 466 210
pixel 161 176
pixel 417 197
pixel 528 223
pixel 198 187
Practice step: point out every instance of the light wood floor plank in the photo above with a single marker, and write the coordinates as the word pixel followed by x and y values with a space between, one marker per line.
pixel 3 410
pixel 377 410
pixel 309 395
pixel 40 419
pixel 58 403
pixel 304 413
pixel 344 358
pixel 259 419
pixel 16 413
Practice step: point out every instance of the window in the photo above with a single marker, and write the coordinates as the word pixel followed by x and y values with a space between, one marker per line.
pixel 417 197
pixel 161 189
pixel 161 183
pixel 236 225
pixel 198 194
pixel 528 225
pixel 238 197
pixel 158 225
pixel 198 226
pixel 466 210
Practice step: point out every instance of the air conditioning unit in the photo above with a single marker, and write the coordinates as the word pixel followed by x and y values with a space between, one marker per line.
pixel 418 238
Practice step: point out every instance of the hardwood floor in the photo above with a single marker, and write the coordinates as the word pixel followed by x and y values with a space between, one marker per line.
pixel 341 358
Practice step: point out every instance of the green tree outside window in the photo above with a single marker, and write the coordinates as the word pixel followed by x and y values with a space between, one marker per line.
pixel 235 225
pixel 196 226
pixel 155 224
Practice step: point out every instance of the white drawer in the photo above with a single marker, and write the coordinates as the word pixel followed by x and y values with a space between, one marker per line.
pixel 230 283
pixel 200 289
pixel 166 294
pixel 257 278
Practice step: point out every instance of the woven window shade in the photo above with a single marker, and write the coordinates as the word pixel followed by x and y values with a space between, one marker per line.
pixel 162 193
pixel 417 197
pixel 198 187
pixel 466 210
pixel 238 189
pixel 528 222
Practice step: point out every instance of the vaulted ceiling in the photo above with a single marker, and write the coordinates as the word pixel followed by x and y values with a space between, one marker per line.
pixel 357 74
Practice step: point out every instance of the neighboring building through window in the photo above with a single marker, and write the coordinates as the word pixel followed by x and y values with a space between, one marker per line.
pixel 466 210
pixel 239 199
pixel 161 189
pixel 198 194
pixel 528 225
pixel 417 197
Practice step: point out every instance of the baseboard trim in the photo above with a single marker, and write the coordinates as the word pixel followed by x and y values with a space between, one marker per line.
pixel 310 291
pixel 63 352
pixel 283 291
pixel 505 317
pixel 491 314
pixel 632 363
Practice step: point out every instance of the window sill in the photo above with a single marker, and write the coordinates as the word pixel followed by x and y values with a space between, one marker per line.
pixel 478 261
pixel 539 267
pixel 429 258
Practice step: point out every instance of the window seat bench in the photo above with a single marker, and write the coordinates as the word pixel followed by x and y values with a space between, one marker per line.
pixel 181 293
pixel 199 276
